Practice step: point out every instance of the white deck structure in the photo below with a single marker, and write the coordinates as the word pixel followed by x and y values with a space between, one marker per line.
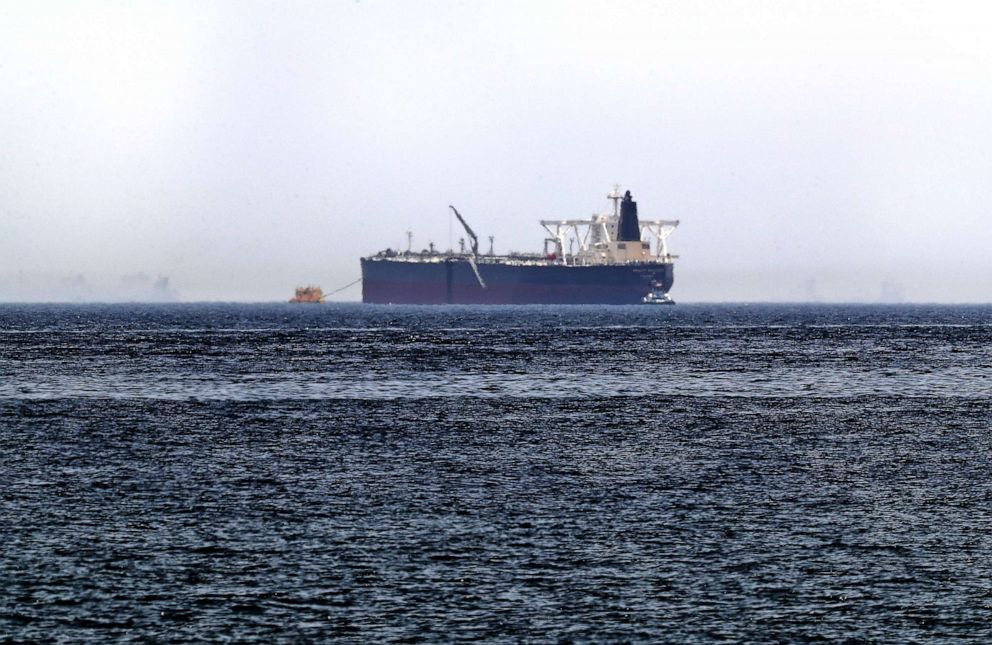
pixel 597 239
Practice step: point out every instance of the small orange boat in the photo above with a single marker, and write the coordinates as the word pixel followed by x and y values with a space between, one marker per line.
pixel 308 294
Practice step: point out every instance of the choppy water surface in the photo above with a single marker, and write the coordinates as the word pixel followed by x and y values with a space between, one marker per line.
pixel 690 473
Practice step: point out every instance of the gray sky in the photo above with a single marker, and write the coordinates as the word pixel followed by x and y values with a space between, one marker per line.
pixel 837 151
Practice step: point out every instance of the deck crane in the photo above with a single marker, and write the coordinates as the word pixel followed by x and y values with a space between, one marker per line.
pixel 475 246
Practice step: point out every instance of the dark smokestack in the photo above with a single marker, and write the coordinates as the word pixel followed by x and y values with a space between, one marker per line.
pixel 629 229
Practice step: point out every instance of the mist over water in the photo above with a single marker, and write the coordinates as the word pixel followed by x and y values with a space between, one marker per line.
pixel 813 153
pixel 692 473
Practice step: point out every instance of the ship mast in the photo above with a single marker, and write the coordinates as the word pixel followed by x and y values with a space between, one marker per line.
pixel 616 197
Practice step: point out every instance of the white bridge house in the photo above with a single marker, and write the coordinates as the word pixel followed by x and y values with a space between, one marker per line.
pixel 598 243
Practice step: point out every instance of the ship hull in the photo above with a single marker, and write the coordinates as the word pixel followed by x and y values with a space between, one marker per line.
pixel 452 281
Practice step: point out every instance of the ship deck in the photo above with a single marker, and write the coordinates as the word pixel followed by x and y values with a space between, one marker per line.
pixel 510 260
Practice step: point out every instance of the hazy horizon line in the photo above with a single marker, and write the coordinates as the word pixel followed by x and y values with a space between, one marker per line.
pixel 359 302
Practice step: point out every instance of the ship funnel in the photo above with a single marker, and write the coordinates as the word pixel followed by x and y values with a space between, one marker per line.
pixel 629 229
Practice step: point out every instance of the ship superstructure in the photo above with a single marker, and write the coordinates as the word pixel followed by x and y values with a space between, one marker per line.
pixel 609 258
pixel 620 237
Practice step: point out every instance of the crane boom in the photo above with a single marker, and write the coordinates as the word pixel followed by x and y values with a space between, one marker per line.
pixel 468 229
pixel 475 247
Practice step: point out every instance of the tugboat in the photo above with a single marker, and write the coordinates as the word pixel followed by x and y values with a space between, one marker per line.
pixel 657 296
pixel 308 294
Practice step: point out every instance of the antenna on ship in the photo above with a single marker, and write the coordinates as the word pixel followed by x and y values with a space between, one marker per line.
pixel 615 196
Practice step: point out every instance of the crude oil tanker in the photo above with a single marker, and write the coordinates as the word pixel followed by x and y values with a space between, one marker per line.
pixel 620 259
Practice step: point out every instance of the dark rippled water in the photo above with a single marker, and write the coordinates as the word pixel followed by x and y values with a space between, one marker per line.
pixel 684 474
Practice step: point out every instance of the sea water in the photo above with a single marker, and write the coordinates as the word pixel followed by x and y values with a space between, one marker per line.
pixel 698 473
